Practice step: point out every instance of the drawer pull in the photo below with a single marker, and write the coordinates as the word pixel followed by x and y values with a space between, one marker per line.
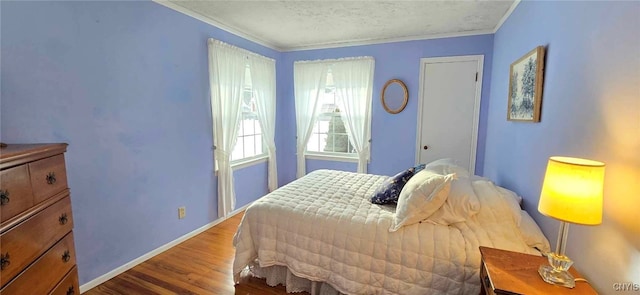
pixel 4 261
pixel 63 219
pixel 66 256
pixel 4 197
pixel 51 178
pixel 71 291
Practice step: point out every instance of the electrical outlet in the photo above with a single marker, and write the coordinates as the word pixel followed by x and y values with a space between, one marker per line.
pixel 182 212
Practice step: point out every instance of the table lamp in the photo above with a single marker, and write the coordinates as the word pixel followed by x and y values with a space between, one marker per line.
pixel 572 193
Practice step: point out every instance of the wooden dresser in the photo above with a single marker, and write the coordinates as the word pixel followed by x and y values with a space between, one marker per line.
pixel 36 239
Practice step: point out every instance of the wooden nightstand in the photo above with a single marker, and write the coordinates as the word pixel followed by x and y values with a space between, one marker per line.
pixel 506 272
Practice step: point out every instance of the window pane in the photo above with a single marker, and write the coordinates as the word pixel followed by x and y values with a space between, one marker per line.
pixel 258 143
pixel 238 150
pixel 323 126
pixel 329 132
pixel 257 127
pixel 249 141
pixel 330 135
pixel 248 127
pixel 249 146
pixel 314 142
pixel 323 141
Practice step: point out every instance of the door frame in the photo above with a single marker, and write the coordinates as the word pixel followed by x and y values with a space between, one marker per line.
pixel 476 108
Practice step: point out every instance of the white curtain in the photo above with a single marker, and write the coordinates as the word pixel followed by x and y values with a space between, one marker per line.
pixel 227 66
pixel 353 79
pixel 263 77
pixel 309 80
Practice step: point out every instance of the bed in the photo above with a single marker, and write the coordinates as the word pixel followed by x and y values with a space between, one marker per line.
pixel 321 234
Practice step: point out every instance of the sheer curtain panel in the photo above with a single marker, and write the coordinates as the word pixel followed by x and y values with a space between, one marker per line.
pixel 263 77
pixel 353 79
pixel 309 79
pixel 227 66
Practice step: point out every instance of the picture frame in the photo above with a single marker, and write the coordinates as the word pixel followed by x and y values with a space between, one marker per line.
pixel 525 86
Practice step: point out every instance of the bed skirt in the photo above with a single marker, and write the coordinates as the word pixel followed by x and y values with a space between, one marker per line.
pixel 281 275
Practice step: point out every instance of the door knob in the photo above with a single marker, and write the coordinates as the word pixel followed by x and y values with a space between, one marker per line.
pixel 425 147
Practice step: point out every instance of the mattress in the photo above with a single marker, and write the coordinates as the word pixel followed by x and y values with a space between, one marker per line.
pixel 323 228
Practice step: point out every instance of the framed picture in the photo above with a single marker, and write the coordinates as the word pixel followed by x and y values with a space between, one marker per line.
pixel 525 87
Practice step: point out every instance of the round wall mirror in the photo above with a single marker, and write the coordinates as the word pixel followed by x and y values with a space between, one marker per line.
pixel 394 96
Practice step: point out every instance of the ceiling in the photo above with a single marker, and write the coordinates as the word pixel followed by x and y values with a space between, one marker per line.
pixel 307 24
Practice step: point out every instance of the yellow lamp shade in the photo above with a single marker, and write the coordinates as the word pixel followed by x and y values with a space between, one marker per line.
pixel 572 190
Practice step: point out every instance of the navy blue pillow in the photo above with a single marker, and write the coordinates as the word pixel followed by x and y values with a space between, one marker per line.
pixel 418 168
pixel 389 191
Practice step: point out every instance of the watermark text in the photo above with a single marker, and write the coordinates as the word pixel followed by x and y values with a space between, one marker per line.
pixel 626 286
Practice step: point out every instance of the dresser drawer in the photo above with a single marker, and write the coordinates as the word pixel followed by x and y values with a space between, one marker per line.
pixel 48 177
pixel 68 285
pixel 15 192
pixel 23 243
pixel 46 272
pixel 487 287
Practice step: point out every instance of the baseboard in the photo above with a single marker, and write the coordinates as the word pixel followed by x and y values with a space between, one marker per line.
pixel 105 277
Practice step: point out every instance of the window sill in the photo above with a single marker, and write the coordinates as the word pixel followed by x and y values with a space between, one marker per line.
pixel 239 164
pixel 330 157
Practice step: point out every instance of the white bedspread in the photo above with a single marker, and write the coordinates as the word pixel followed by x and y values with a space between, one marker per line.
pixel 323 228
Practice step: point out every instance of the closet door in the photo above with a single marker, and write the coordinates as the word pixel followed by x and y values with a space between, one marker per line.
pixel 449 107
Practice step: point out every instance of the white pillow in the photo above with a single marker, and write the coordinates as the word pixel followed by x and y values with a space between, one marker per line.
pixel 478 177
pixel 531 233
pixel 423 194
pixel 461 204
pixel 446 166
pixel 487 191
pixel 507 193
pixel 513 200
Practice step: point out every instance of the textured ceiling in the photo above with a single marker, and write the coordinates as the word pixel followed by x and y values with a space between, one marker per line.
pixel 291 25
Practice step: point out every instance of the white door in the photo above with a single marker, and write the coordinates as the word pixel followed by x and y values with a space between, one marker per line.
pixel 449 109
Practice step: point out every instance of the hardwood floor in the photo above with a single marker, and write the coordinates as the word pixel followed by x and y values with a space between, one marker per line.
pixel 200 265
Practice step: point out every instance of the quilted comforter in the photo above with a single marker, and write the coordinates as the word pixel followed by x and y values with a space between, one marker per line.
pixel 323 228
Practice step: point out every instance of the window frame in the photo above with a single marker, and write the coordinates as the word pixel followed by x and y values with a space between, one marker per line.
pixel 332 156
pixel 262 157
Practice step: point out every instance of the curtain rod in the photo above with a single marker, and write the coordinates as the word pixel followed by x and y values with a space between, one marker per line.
pixel 336 59
pixel 244 51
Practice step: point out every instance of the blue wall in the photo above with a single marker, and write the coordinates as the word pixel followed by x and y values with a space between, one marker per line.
pixel 590 109
pixel 393 136
pixel 126 85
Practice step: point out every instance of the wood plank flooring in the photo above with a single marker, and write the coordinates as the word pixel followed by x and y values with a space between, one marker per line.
pixel 200 265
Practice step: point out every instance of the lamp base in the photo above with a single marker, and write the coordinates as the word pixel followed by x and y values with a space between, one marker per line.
pixel 556 277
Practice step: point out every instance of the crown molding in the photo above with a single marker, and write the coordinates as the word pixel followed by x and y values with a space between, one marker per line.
pixel 329 45
pixel 217 24
pixel 388 40
pixel 506 15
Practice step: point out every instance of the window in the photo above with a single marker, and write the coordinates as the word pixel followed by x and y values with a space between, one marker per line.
pixel 324 110
pixel 329 134
pixel 249 140
pixel 242 87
